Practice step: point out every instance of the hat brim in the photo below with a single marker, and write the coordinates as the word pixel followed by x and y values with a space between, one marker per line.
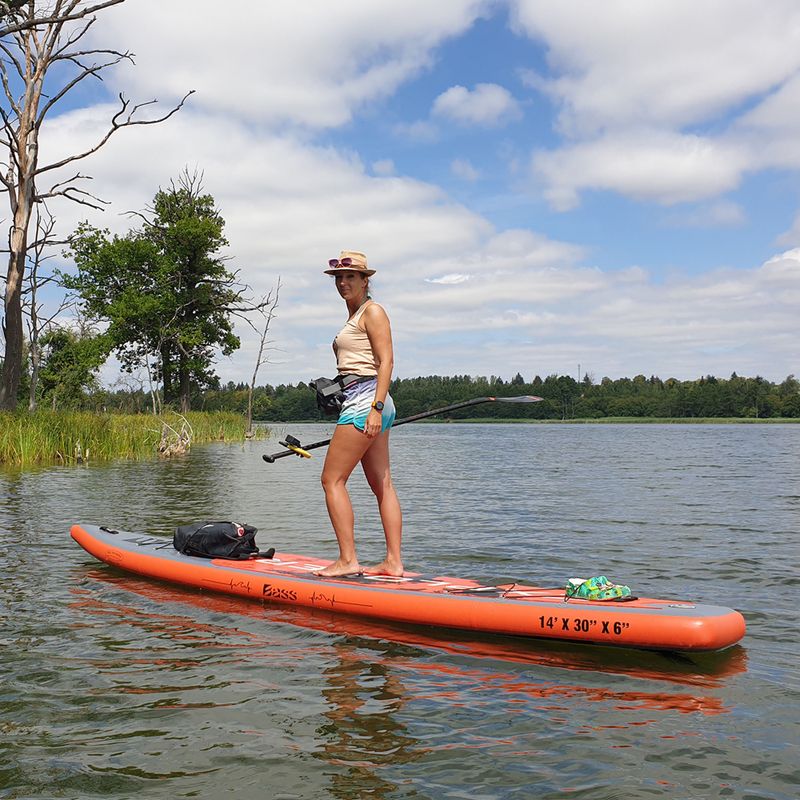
pixel 337 270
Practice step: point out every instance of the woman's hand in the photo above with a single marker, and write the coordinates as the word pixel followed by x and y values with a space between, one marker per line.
pixel 374 423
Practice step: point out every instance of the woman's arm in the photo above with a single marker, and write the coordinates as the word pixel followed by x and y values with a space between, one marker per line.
pixel 379 332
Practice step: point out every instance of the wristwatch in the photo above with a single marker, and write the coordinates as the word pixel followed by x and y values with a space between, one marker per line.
pixel 377 405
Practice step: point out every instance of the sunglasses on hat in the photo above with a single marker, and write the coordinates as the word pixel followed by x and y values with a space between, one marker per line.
pixel 335 262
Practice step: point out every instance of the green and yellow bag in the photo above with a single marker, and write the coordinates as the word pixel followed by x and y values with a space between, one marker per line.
pixel 598 588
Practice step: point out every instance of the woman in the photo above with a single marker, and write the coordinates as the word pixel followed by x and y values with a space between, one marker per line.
pixel 363 347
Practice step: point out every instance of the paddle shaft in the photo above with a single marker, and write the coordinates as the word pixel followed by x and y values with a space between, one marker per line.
pixel 423 415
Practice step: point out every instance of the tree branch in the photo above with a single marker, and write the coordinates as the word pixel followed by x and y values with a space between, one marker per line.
pixel 32 21
pixel 77 196
pixel 56 52
pixel 87 71
pixel 13 59
pixel 127 122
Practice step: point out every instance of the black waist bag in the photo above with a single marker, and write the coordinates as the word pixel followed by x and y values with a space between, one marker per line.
pixel 330 391
pixel 330 395
pixel 218 540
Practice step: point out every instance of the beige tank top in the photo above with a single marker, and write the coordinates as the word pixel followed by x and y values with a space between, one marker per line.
pixel 354 354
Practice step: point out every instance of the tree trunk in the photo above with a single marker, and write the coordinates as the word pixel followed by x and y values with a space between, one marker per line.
pixel 18 246
pixel 166 374
pixel 21 198
pixel 35 358
pixel 185 384
pixel 249 428
pixel 12 363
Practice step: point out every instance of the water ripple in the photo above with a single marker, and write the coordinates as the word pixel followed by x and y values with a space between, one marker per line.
pixel 118 687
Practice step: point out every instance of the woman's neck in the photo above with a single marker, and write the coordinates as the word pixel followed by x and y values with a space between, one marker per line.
pixel 354 305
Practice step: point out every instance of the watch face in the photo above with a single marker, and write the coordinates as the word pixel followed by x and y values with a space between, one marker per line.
pixel 377 405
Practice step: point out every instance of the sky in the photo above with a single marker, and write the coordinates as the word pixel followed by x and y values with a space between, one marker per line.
pixel 543 188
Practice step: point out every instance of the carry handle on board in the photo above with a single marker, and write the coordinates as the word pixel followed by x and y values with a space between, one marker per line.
pixel 294 448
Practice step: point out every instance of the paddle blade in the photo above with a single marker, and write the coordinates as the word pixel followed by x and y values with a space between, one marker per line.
pixel 523 398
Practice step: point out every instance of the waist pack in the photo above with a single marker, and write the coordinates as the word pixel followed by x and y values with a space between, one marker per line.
pixel 218 540
pixel 330 391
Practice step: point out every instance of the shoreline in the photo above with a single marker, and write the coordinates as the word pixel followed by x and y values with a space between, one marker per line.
pixel 577 421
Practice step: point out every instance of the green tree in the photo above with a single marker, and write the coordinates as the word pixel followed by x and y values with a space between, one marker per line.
pixel 69 364
pixel 164 290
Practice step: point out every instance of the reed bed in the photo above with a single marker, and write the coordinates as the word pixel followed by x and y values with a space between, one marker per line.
pixel 67 437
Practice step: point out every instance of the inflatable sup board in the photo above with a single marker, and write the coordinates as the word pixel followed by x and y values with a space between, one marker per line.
pixel 510 609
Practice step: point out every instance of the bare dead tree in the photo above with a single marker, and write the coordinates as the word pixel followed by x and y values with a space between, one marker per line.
pixel 41 38
pixel 131 385
pixel 266 308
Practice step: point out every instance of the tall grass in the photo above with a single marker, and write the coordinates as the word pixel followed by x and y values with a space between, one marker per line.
pixel 69 437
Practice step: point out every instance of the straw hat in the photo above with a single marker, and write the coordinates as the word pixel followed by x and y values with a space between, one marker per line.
pixel 349 260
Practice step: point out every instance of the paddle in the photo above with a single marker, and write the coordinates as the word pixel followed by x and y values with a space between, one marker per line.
pixel 295 448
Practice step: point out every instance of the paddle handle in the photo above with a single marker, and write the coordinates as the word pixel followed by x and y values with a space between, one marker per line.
pixel 270 459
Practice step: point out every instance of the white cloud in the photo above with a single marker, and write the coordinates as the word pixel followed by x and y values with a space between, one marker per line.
pixel 771 129
pixel 616 323
pixel 791 238
pixel 418 131
pixel 777 111
pixel 652 165
pixel 722 214
pixel 384 167
pixel 664 62
pixel 463 169
pixel 487 104
pixel 683 71
pixel 274 64
pixel 782 272
pixel 450 279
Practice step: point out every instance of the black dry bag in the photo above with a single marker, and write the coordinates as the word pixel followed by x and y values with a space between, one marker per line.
pixel 217 540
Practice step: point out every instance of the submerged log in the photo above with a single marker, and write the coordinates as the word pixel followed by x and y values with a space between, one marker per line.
pixel 175 441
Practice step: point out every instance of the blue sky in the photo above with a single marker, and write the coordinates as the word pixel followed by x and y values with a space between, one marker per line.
pixel 540 185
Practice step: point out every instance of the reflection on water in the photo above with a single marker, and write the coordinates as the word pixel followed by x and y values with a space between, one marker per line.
pixel 363 731
pixel 118 687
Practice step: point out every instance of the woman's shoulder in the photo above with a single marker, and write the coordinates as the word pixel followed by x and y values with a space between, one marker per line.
pixel 375 310
pixel 374 313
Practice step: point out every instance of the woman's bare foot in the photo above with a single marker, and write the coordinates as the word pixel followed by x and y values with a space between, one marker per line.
pixel 339 569
pixel 387 567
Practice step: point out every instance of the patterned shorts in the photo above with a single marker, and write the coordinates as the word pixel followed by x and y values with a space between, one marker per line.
pixel 358 403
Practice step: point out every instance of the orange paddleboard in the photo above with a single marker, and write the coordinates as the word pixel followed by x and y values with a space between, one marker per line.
pixel 442 602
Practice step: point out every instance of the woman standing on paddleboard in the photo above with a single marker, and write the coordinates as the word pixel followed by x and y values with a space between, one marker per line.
pixel 363 347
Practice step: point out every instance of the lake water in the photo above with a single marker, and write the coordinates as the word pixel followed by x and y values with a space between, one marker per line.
pixel 119 687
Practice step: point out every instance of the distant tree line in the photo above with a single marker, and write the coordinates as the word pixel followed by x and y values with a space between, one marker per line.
pixel 564 398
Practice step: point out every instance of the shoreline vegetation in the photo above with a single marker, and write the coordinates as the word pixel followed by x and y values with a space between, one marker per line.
pixel 102 425
pixel 77 437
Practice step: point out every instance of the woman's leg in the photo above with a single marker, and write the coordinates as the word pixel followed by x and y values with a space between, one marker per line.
pixel 346 449
pixel 375 463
